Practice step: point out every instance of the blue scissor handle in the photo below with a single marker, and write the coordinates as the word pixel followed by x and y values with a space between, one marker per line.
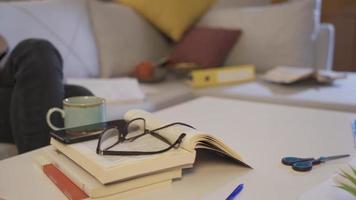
pixel 306 164
pixel 291 160
pixel 303 166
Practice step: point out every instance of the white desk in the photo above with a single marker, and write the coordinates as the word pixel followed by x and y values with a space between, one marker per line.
pixel 262 133
pixel 340 96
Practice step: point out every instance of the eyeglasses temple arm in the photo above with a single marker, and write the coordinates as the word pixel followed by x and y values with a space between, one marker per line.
pixel 140 153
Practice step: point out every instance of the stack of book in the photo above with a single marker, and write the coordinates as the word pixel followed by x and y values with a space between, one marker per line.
pixel 83 174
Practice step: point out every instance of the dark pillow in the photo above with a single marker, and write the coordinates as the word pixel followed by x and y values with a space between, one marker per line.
pixel 206 47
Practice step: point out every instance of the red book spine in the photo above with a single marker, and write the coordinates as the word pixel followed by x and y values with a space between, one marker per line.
pixel 72 191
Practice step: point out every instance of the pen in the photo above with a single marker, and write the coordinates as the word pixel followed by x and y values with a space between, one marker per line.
pixel 354 131
pixel 234 193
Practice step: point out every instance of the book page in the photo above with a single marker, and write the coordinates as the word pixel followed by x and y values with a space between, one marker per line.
pixel 145 143
pixel 171 133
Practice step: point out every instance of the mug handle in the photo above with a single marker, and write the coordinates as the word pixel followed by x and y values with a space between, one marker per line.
pixel 48 118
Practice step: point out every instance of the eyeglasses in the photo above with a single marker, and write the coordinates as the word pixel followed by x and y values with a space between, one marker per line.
pixel 132 131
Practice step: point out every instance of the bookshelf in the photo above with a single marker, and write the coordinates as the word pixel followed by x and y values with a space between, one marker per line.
pixel 342 13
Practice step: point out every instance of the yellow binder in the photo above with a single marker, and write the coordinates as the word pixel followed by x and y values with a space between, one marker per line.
pixel 221 75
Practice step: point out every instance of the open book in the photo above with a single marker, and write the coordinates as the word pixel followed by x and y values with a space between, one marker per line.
pixel 117 168
pixel 289 75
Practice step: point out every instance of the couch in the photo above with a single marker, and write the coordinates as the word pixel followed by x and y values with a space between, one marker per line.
pixel 69 25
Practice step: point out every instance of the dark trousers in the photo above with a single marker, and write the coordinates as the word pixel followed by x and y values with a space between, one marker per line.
pixel 31 82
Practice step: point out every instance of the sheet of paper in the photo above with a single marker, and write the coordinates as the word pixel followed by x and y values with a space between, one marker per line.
pixel 114 90
pixel 328 190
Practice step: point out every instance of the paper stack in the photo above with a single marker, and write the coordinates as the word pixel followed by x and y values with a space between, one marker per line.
pixel 113 90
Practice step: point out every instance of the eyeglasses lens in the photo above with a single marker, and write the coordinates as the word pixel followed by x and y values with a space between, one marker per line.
pixel 109 138
pixel 135 128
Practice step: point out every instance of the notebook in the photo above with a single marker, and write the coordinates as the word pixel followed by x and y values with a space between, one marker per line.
pixel 92 187
pixel 110 168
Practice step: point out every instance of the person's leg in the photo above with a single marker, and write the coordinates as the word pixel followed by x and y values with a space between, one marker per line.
pixel 32 82
pixel 34 69
pixel 5 99
pixel 5 127
pixel 75 90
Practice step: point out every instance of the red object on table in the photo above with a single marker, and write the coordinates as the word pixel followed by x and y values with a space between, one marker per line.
pixel 144 70
pixel 72 191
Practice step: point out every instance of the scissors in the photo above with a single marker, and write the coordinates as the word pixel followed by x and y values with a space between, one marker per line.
pixel 306 164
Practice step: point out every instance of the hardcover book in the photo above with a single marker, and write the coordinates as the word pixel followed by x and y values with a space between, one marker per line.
pixel 69 189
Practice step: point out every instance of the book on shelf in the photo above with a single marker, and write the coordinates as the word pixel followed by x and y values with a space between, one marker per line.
pixel 109 169
pixel 91 186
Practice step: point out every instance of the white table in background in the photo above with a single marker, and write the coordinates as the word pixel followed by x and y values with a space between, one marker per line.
pixel 261 133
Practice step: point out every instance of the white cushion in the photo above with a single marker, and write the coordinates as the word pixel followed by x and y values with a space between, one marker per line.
pixel 124 38
pixel 65 23
pixel 281 34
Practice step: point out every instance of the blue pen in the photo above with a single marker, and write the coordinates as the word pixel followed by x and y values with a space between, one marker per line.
pixel 234 193
pixel 354 131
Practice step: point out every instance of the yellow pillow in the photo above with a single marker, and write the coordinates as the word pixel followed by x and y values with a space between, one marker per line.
pixel 172 17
